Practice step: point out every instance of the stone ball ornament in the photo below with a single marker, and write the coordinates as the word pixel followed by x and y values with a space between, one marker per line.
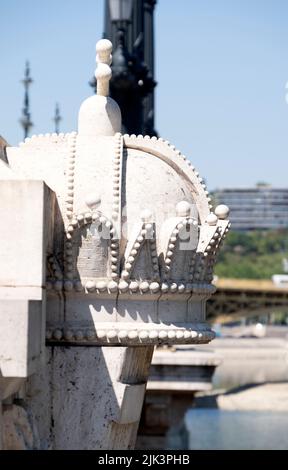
pixel 103 72
pixel 104 51
pixel 134 240
pixel 222 211
pixel 93 200
pixel 183 209
pixel 212 219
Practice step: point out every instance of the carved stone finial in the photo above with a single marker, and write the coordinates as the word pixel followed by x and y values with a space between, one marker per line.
pixel 100 114
pixel 104 51
pixel 103 71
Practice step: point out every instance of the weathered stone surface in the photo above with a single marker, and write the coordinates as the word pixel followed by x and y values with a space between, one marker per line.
pixel 22 337
pixel 89 398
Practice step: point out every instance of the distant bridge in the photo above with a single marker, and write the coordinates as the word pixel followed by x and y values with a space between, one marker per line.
pixel 237 298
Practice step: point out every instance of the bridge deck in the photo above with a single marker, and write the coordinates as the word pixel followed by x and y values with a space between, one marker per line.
pixel 236 298
pixel 260 285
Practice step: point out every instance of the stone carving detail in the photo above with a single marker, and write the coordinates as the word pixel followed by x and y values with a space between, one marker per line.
pixel 134 253
pixel 180 249
pixel 141 261
pixel 186 252
pixel 91 249
pixel 126 226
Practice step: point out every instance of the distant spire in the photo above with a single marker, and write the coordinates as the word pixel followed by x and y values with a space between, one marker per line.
pixel 57 118
pixel 25 120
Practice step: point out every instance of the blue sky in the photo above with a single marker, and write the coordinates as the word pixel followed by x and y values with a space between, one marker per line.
pixel 221 68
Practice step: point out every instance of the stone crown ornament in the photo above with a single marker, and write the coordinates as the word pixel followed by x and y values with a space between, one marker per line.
pixel 133 238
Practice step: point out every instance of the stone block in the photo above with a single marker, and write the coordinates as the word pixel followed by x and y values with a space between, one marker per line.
pixel 21 337
pixel 130 405
pixel 24 213
pixel 25 232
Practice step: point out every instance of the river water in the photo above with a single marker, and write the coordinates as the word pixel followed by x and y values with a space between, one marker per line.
pixel 218 429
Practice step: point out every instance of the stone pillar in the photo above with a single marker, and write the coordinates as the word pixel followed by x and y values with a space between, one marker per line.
pixel 89 397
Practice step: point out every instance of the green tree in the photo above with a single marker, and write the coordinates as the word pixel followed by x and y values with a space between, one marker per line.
pixel 253 255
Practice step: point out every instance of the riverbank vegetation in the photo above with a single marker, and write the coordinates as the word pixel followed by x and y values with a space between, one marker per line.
pixel 253 255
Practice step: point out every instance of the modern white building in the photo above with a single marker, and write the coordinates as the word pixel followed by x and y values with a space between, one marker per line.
pixel 260 208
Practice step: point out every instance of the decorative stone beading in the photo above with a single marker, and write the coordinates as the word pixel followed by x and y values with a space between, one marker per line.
pixel 70 170
pixel 212 251
pixel 130 334
pixel 133 287
pixel 117 178
pixel 162 149
pixel 44 139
